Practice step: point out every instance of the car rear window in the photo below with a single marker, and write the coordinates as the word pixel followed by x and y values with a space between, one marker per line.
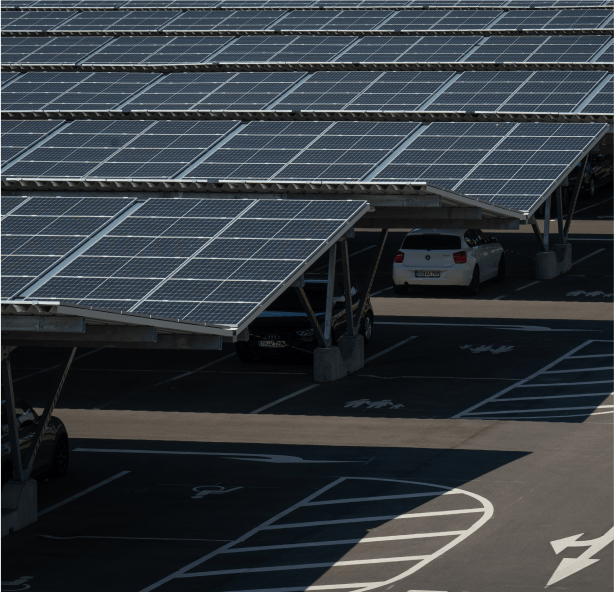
pixel 430 242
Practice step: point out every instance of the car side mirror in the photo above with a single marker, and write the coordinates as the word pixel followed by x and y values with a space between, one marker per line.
pixel 492 239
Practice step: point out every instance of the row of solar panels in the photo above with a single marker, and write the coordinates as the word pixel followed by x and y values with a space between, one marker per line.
pixel 282 49
pixel 490 92
pixel 208 261
pixel 321 20
pixel 297 4
pixel 507 164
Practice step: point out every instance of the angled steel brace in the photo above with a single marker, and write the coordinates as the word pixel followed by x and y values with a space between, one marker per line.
pixel 574 195
pixel 46 416
pixel 300 292
pixel 7 394
pixel 559 215
pixel 362 304
pixel 330 293
pixel 347 287
pixel 547 224
pixel 538 234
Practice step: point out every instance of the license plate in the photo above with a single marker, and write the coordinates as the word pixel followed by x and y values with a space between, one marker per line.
pixel 272 344
pixel 428 273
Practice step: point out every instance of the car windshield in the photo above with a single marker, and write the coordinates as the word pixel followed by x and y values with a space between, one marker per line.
pixel 430 242
pixel 289 302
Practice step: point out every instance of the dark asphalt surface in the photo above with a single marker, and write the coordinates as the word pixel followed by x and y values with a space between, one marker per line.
pixel 478 432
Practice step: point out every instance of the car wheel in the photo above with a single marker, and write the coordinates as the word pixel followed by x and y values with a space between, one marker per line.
pixel 7 472
pixel 245 353
pixel 474 287
pixel 366 327
pixel 60 457
pixel 501 270
pixel 399 289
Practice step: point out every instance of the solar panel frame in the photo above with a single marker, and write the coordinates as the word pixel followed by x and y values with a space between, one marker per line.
pixel 98 21
pixel 49 50
pixel 31 21
pixel 602 102
pixel 20 136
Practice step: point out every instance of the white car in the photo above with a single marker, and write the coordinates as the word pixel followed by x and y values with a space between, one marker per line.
pixel 436 257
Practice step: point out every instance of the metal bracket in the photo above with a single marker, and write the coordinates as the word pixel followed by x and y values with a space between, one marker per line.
pixel 300 292
pixel 347 287
pixel 362 304
pixel 43 421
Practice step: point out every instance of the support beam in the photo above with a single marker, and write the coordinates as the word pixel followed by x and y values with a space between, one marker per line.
pixel 574 195
pixel 300 292
pixel 43 420
pixel 559 215
pixel 8 395
pixel 93 333
pixel 538 235
pixel 362 304
pixel 547 224
pixel 330 294
pixel 461 223
pixel 347 287
pixel 437 213
pixel 43 324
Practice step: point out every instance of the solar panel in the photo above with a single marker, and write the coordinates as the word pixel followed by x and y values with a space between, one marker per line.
pixel 10 204
pixel 607 57
pixel 517 92
pixel 120 20
pixel 158 50
pixel 18 136
pixel 215 91
pixel 48 50
pixel 602 102
pixel 44 230
pixel 225 20
pixel 73 90
pixel 217 262
pixel 33 21
pixel 108 4
pixel 402 49
pixel 507 164
pixel 121 149
pixel 562 19
pixel 538 48
pixel 303 151
pixel 415 20
pixel 170 4
pixel 7 77
pixel 322 20
pixel 364 91
pixel 283 48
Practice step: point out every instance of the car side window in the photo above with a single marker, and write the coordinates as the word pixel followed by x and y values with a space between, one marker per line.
pixel 471 238
pixel 482 237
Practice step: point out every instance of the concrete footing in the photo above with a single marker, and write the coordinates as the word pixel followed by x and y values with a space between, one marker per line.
pixel 19 505
pixel 553 263
pixel 333 363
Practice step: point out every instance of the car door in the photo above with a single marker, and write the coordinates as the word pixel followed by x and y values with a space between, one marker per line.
pixel 488 250
pixel 473 242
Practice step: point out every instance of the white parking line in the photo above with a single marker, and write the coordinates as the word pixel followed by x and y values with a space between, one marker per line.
pixel 380 291
pixel 78 495
pixel 527 286
pixel 299 392
pixel 591 356
pixel 183 375
pixel 369 359
pixel 540 410
pixel 584 258
pixel 435 377
pixel 556 397
pixel 594 205
pixel 84 536
pixel 579 370
pixel 351 500
pixel 564 383
pixel 89 353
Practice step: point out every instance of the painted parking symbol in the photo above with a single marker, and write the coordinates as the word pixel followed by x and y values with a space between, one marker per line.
pixel 16 585
pixel 480 349
pixel 203 490
pixel 570 566
pixel 368 404
pixel 595 294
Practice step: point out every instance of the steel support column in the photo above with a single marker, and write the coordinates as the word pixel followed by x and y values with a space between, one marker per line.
pixel 300 292
pixel 574 196
pixel 43 420
pixel 330 294
pixel 538 234
pixel 7 394
pixel 559 215
pixel 362 304
pixel 347 287
pixel 547 223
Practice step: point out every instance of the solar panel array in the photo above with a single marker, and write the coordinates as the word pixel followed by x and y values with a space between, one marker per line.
pixel 18 136
pixel 42 231
pixel 492 92
pixel 208 261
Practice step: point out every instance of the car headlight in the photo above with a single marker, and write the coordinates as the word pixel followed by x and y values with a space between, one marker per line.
pixel 306 333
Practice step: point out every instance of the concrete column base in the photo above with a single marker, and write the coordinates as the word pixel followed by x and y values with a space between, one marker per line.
pixel 19 505
pixel 553 263
pixel 333 363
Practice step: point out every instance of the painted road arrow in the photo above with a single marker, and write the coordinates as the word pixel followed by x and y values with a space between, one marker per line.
pixel 568 567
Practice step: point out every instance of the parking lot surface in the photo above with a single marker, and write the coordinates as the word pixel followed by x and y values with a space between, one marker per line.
pixel 472 453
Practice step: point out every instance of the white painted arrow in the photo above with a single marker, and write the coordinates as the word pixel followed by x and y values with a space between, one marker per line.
pixel 567 566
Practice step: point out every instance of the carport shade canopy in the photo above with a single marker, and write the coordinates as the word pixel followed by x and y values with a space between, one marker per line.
pixel 214 263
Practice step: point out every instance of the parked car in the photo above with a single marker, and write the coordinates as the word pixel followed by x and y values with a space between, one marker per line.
pixel 52 456
pixel 284 328
pixel 447 258
pixel 598 172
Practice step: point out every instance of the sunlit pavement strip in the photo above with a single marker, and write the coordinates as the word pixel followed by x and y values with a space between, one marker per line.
pixel 289 573
pixel 499 404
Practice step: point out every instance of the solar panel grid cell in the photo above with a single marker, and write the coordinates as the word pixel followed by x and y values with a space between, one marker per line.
pixel 33 21
pixel 602 102
pixel 118 21
pixel 18 136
